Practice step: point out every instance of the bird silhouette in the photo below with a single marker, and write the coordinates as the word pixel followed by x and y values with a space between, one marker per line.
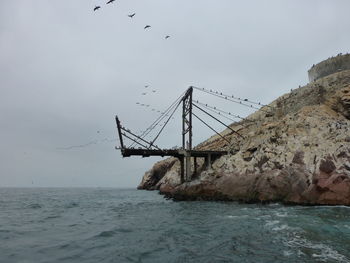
pixel 110 1
pixel 147 26
pixel 154 90
pixel 132 15
pixel 97 7
pixel 167 37
pixel 146 86
pixel 144 93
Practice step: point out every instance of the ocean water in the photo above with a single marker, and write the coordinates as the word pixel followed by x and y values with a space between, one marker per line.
pixel 115 225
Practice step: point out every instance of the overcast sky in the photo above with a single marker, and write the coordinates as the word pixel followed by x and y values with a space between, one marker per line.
pixel 66 71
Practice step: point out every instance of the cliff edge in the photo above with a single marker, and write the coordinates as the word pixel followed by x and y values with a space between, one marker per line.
pixel 296 151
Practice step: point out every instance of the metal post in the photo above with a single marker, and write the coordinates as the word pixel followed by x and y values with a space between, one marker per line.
pixel 119 132
pixel 187 129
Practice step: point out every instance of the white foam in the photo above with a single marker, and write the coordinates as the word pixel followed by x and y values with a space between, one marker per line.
pixel 323 253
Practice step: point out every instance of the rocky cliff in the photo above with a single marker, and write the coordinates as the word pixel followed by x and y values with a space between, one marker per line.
pixel 295 150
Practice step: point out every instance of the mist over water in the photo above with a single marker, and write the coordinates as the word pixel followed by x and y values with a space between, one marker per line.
pixel 120 225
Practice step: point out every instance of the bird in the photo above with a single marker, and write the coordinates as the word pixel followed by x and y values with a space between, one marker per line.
pixel 98 131
pixel 154 90
pixel 147 26
pixel 137 102
pixel 97 7
pixel 144 93
pixel 110 1
pixel 146 86
pixel 167 37
pixel 132 15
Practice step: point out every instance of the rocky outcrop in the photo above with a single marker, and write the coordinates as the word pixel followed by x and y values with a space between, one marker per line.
pixel 295 150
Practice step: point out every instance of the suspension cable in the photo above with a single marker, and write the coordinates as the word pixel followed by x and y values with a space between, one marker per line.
pixel 218 120
pixel 171 115
pixel 210 127
pixel 232 100
pixel 222 111
pixel 160 118
pixel 231 96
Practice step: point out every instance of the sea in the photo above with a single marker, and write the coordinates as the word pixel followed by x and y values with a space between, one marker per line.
pixel 127 225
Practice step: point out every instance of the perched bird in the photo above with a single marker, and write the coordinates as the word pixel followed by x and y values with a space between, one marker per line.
pixel 110 1
pixel 147 26
pixel 132 15
pixel 97 7
pixel 245 99
pixel 154 90
pixel 146 86
pixel 167 37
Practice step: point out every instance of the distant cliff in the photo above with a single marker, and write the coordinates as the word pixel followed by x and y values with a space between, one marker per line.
pixel 298 152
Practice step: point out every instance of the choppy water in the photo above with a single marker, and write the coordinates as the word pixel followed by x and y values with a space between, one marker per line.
pixel 113 225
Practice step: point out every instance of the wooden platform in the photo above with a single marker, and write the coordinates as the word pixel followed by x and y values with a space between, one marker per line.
pixel 179 153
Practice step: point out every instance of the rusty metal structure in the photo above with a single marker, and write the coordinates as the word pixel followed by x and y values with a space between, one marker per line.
pixel 186 154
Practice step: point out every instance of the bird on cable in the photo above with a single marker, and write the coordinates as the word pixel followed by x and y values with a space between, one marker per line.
pixel 147 26
pixel 97 8
pixel 167 37
pixel 110 1
pixel 132 15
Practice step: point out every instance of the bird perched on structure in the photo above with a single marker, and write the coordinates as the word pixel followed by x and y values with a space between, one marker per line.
pixel 97 8
pixel 147 26
pixel 110 1
pixel 167 37
pixel 132 15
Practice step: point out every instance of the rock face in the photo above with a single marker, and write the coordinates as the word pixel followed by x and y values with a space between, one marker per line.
pixel 295 150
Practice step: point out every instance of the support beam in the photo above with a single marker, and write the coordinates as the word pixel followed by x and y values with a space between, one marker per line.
pixel 182 170
pixel 208 161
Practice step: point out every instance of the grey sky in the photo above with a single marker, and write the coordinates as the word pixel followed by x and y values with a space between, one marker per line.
pixel 65 71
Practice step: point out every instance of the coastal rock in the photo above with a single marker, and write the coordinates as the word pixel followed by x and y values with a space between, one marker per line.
pixel 295 150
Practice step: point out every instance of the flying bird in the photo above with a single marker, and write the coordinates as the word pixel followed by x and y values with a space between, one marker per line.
pixel 97 7
pixel 144 93
pixel 167 37
pixel 110 1
pixel 132 15
pixel 147 26
pixel 146 86
pixel 154 90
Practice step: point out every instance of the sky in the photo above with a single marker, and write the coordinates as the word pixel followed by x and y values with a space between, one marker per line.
pixel 66 71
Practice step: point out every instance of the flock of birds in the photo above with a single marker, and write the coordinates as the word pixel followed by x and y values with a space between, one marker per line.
pixel 97 7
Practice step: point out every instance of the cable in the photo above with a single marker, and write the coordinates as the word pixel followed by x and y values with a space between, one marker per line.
pixel 225 112
pixel 217 120
pixel 166 123
pixel 229 99
pixel 159 119
pixel 210 127
pixel 232 96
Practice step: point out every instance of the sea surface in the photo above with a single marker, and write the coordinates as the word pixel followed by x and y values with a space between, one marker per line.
pixel 121 225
